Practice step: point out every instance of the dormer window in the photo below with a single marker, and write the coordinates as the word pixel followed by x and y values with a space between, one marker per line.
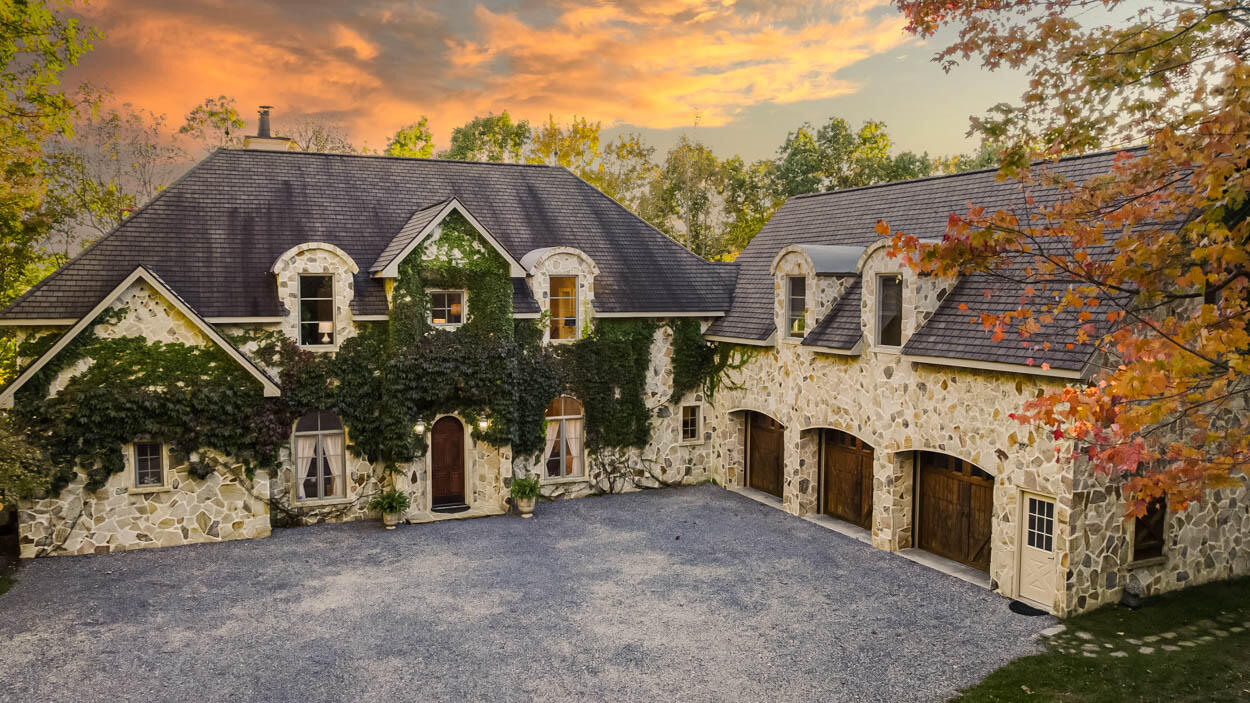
pixel 562 298
pixel 796 306
pixel 316 311
pixel 890 311
pixel 447 308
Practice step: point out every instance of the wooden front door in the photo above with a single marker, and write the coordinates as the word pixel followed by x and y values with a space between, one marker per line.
pixel 956 509
pixel 846 474
pixel 447 462
pixel 765 453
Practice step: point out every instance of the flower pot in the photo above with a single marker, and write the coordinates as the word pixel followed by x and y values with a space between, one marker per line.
pixel 525 506
pixel 390 520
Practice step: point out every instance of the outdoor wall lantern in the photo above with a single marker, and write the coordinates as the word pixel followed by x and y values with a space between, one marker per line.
pixel 483 423
pixel 419 428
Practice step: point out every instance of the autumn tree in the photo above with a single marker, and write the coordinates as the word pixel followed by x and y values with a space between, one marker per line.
pixel 414 141
pixel 1150 260
pixel 214 123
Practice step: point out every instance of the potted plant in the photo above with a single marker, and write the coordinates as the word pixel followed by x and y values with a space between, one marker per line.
pixel 391 504
pixel 524 492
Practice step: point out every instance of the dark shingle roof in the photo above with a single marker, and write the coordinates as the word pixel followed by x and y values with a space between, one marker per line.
pixel 841 328
pixel 922 208
pixel 406 234
pixel 214 234
pixel 523 302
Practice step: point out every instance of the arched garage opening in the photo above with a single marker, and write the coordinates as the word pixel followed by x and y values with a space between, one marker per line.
pixel 765 453
pixel 955 509
pixel 845 477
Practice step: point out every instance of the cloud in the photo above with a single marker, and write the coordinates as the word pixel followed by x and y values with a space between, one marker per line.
pixel 379 64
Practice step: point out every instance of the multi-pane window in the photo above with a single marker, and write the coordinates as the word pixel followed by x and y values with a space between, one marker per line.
pixel 565 420
pixel 1149 531
pixel 1040 532
pixel 690 430
pixel 562 295
pixel 149 465
pixel 316 310
pixel 446 308
pixel 319 457
pixel 796 306
pixel 890 311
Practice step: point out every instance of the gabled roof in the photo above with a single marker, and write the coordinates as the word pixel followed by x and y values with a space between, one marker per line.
pixel 840 330
pixel 921 208
pixel 421 225
pixel 215 232
pixel 271 388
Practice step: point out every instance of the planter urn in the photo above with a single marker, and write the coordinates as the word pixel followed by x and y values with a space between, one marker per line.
pixel 390 520
pixel 525 506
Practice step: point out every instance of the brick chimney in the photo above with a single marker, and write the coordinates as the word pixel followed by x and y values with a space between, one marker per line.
pixel 264 138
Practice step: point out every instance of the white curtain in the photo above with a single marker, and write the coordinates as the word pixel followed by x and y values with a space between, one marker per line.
pixel 332 444
pixel 573 445
pixel 553 433
pixel 305 462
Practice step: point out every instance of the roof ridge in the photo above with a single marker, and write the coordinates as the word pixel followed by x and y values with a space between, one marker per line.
pixel 940 176
pixel 65 266
pixel 430 159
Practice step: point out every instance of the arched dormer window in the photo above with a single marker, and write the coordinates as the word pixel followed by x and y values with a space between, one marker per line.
pixel 319 457
pixel 796 306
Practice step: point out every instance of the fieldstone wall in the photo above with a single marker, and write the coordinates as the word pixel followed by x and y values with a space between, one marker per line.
pixel 223 506
pixel 1205 542
pixel 317 258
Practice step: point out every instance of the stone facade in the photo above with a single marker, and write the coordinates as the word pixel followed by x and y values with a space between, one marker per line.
pixel 895 405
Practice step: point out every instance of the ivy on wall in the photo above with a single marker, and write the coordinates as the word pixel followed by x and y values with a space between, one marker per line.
pixel 607 372
pixel 700 364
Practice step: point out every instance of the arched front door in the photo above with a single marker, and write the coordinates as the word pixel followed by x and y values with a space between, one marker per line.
pixel 765 453
pixel 447 462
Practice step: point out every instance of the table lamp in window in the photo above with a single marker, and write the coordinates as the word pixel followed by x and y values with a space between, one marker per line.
pixel 325 328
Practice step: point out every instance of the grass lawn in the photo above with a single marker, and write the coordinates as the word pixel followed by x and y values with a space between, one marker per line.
pixel 1206 658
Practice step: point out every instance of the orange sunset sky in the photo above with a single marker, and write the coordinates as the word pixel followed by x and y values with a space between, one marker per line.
pixel 737 74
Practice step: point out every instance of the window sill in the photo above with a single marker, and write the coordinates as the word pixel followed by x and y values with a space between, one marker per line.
pixel 320 502
pixel 447 326
pixel 1144 563
pixel 793 340
pixel 558 481
pixel 562 341
pixel 691 442
pixel 319 347
pixel 893 351
pixel 149 489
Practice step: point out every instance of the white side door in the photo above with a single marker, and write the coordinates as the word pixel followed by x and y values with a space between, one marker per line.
pixel 1037 548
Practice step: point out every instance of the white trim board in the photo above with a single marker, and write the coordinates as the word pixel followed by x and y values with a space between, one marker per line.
pixel 993 366
pixel 39 322
pixel 660 314
pixel 271 389
pixel 766 342
pixel 391 270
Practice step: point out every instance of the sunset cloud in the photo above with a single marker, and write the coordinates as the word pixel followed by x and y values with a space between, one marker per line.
pixel 379 65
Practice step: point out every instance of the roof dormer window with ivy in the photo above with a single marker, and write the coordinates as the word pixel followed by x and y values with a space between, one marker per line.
pixel 316 311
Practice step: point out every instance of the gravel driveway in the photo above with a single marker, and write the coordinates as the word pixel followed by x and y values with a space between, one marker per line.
pixel 696 594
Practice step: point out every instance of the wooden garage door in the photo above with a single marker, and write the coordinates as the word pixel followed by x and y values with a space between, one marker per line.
pixel 765 453
pixel 846 474
pixel 956 509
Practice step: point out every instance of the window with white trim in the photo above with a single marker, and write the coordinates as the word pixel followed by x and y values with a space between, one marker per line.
pixel 149 464
pixel 890 311
pixel 562 300
pixel 796 306
pixel 316 310
pixel 447 308
pixel 319 457
pixel 1040 532
pixel 565 420
pixel 691 424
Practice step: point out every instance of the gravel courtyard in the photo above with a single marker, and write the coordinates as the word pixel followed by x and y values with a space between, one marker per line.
pixel 695 594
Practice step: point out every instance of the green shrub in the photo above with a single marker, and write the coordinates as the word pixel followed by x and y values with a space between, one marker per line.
pixel 525 487
pixel 392 501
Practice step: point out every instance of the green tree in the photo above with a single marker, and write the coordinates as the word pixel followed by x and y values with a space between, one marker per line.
pixel 414 141
pixel 622 168
pixel 492 138
pixel 37 44
pixel 801 164
pixel 214 124
pixel 627 170
pixel 750 198
pixel 984 157
pixel 685 199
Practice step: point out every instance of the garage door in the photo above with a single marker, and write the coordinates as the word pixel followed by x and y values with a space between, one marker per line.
pixel 846 475
pixel 956 509
pixel 765 454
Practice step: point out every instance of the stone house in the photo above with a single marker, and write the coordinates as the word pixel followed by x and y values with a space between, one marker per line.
pixel 864 399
